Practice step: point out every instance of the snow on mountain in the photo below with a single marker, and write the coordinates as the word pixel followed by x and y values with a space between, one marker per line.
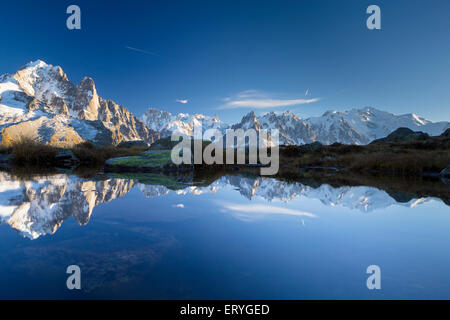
pixel 39 206
pixel 361 126
pixel 249 121
pixel 356 126
pixel 40 102
pixel 13 100
pixel 182 123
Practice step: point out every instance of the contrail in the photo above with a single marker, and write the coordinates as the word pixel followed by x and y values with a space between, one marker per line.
pixel 141 51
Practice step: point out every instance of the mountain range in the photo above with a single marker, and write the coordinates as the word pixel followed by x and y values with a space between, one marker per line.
pixel 356 126
pixel 40 102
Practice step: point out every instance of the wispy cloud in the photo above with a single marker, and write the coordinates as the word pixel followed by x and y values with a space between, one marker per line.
pixel 179 205
pixel 255 211
pixel 258 100
pixel 141 51
pixel 266 103
pixel 250 94
pixel 183 101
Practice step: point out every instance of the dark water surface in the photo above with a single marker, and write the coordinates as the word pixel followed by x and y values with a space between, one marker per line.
pixel 239 237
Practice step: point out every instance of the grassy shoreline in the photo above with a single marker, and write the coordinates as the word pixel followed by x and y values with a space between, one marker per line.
pixel 27 152
pixel 391 156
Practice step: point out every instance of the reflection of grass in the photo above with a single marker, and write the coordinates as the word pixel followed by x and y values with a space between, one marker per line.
pixel 148 159
pixel 170 182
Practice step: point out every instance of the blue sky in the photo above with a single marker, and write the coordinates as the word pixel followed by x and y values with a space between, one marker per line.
pixel 216 54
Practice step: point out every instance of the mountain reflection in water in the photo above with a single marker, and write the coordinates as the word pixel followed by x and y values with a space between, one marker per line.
pixel 227 236
pixel 39 205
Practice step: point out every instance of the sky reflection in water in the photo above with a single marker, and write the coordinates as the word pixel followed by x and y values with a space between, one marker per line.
pixel 239 237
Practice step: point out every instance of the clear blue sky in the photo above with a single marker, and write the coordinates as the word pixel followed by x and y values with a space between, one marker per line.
pixel 212 52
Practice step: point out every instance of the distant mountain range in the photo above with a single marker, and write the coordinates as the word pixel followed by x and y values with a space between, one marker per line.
pixel 40 102
pixel 165 123
pixel 356 126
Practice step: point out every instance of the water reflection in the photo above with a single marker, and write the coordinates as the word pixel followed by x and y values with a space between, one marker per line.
pixel 227 237
pixel 39 205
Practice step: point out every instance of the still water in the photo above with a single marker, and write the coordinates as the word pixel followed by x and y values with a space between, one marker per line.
pixel 239 237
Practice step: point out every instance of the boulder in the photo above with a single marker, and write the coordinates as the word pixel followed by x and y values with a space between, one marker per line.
pixel 66 158
pixel 403 135
pixel 446 133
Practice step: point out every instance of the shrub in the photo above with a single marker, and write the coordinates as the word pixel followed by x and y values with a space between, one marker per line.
pixel 29 151
pixel 87 153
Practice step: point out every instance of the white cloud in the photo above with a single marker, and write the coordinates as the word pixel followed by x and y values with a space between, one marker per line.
pixel 179 205
pixel 266 103
pixel 249 94
pixel 254 211
pixel 258 100
pixel 183 101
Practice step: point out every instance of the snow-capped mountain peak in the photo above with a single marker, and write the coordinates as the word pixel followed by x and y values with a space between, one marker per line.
pixel 182 123
pixel 355 126
pixel 40 102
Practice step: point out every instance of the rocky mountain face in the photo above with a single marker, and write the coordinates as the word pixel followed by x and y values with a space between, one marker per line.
pixel 356 126
pixel 40 102
pixel 182 123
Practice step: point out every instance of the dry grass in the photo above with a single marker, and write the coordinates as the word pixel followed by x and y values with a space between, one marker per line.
pixel 28 152
pixel 405 159
pixel 89 154
pixel 412 162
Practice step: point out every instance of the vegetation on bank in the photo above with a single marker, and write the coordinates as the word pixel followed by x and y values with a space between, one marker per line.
pixel 418 157
pixel 147 159
pixel 27 152
pixel 402 153
pixel 87 153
